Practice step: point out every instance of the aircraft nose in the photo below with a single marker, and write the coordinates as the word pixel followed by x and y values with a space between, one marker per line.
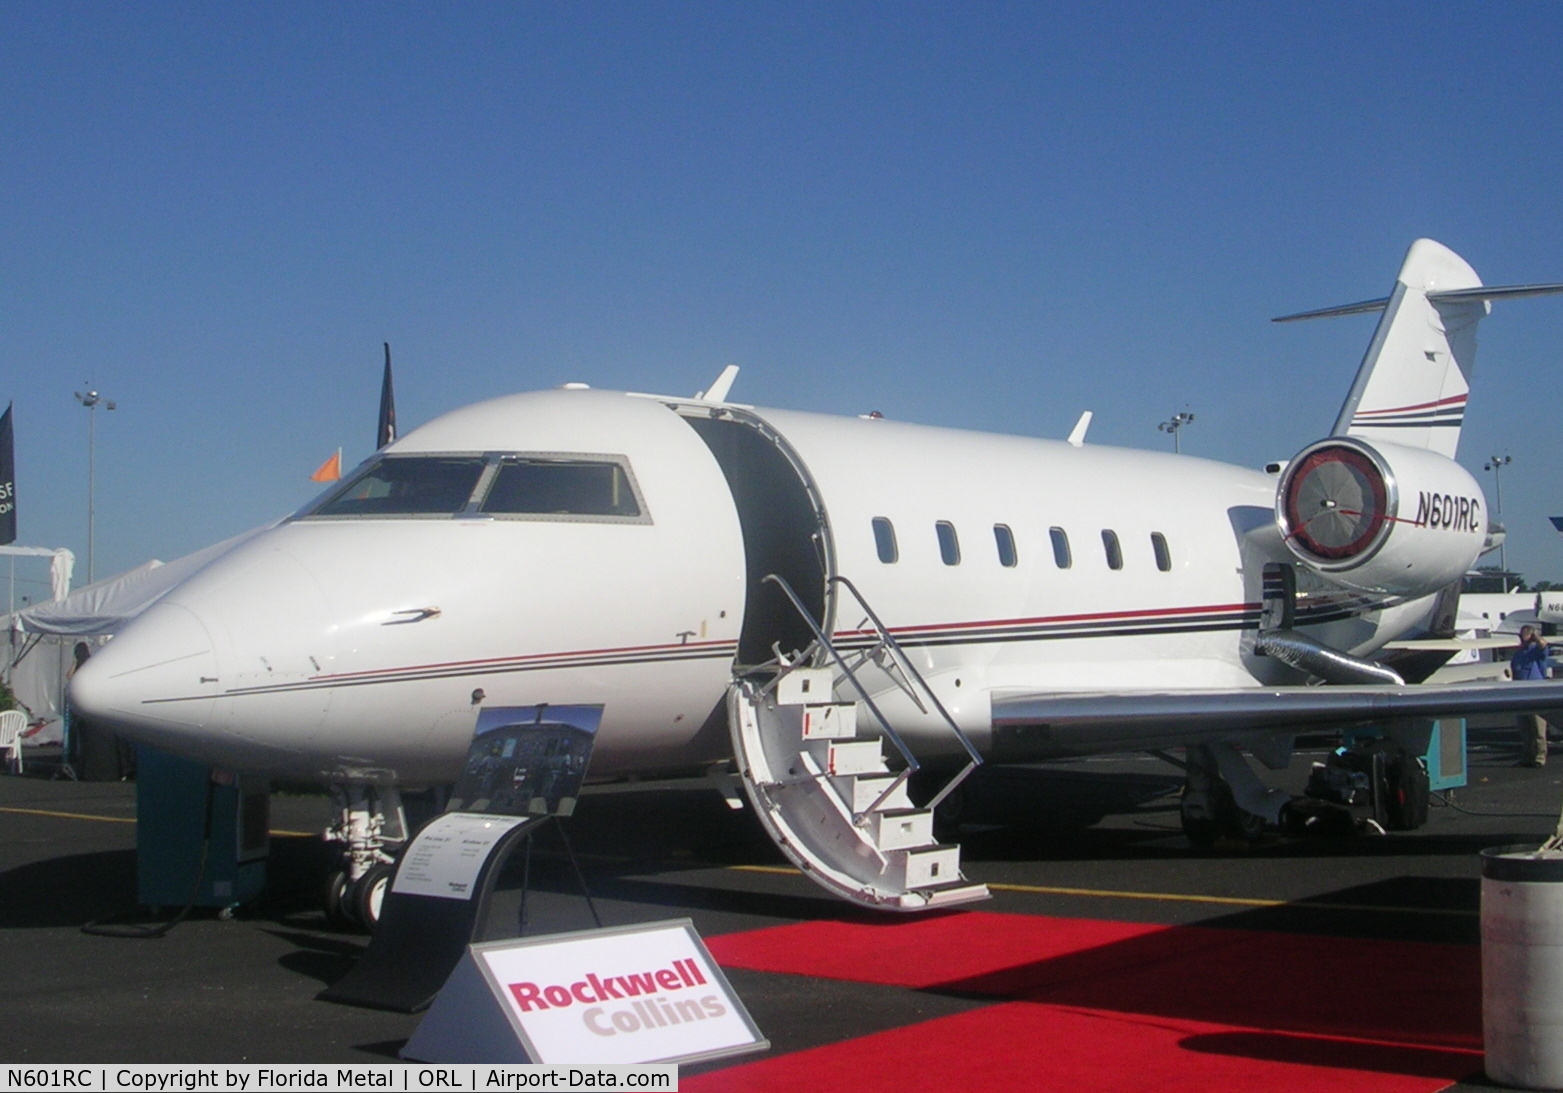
pixel 157 681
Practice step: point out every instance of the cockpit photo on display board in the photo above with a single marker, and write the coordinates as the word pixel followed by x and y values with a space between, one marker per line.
pixel 527 760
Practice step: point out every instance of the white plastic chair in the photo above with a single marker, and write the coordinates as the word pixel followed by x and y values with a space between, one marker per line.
pixel 12 724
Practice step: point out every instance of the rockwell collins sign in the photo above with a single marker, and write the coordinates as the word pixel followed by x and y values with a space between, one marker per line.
pixel 637 994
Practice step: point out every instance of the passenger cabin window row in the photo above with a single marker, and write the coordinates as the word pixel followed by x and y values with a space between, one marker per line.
pixel 889 551
pixel 531 486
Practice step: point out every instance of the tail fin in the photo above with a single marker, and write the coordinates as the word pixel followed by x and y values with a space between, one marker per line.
pixel 1411 388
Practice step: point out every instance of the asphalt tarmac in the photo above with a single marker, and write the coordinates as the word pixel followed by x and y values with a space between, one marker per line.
pixel 1095 839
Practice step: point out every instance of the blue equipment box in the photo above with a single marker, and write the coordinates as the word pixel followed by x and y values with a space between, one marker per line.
pixel 1446 755
pixel 188 825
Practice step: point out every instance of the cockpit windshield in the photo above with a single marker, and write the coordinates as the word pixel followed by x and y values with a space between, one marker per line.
pixel 560 487
pixel 543 486
pixel 427 486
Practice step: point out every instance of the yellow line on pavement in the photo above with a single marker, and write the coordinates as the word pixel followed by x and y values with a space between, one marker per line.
pixel 1230 901
pixel 122 819
pixel 1176 897
pixel 69 815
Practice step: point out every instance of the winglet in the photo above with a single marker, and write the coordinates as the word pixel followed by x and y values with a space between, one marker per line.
pixel 1077 434
pixel 717 392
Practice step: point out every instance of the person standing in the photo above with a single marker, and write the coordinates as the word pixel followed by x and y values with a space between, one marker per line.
pixel 1530 662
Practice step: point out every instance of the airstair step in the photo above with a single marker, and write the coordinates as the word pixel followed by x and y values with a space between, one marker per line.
pixel 833 722
pixel 865 789
pixel 839 757
pixel 801 686
pixel 902 828
pixel 826 795
pixel 957 891
pixel 929 866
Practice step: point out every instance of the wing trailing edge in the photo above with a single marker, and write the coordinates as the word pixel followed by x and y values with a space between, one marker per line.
pixel 1041 725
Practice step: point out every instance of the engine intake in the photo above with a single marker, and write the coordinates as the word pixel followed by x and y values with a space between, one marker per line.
pixel 1379 517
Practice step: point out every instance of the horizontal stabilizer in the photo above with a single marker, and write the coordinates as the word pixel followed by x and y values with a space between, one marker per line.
pixel 1361 308
pixel 1458 295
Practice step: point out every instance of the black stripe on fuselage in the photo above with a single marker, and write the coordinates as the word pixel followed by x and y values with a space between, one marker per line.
pixel 1246 618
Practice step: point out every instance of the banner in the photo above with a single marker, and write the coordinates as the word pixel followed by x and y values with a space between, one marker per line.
pixel 330 470
pixel 7 480
pixel 385 431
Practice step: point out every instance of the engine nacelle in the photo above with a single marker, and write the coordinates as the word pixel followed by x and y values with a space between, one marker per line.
pixel 1381 518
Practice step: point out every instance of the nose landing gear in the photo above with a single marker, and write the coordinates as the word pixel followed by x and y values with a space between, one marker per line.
pixel 371 828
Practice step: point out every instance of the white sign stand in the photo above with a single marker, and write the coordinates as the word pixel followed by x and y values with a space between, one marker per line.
pixel 630 994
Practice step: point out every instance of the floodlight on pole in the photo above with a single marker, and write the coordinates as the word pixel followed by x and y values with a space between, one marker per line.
pixel 91 399
pixel 1179 419
pixel 1495 464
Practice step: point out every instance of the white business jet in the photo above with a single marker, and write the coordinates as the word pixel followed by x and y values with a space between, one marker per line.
pixel 782 594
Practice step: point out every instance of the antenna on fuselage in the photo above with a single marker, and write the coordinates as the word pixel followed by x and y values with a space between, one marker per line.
pixel 717 392
pixel 1077 434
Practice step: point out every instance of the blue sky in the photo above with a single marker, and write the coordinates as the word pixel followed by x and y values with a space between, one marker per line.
pixel 987 215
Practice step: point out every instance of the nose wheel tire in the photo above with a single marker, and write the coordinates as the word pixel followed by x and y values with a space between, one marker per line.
pixel 338 907
pixel 369 895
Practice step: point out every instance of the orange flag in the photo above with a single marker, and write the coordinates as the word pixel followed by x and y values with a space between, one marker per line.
pixel 330 470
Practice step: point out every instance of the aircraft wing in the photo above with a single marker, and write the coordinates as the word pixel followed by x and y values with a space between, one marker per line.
pixel 1457 645
pixel 1035 725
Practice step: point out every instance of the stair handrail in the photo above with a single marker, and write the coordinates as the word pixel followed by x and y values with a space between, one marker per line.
pixel 910 672
pixel 912 765
pixel 827 646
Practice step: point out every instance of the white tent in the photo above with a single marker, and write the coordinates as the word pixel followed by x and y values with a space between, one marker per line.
pixel 61 563
pixel 42 637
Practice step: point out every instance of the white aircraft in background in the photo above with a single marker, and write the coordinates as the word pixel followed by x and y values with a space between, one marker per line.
pixel 781 590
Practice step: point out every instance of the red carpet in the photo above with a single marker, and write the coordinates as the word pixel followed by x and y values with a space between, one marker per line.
pixel 1086 1005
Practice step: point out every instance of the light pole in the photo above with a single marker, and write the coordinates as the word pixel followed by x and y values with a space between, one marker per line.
pixel 1179 419
pixel 1496 464
pixel 90 400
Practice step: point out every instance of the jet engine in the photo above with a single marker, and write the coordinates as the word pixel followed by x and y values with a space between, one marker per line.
pixel 1381 518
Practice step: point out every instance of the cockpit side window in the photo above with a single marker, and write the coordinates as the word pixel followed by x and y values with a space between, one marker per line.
pixel 560 487
pixel 406 486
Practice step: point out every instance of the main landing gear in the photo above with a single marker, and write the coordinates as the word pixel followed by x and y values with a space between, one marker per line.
pixel 1224 798
pixel 371 828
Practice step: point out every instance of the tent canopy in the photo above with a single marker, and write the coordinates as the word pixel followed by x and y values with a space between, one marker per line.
pixel 105 607
pixel 61 563
pixel 41 637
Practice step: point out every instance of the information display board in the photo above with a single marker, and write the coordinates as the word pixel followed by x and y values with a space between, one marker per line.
pixel 449 853
pixel 630 994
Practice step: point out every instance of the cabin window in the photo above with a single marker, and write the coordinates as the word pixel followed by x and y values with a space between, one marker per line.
pixel 530 486
pixel 1163 555
pixel 884 540
pixel 1004 539
pixel 1061 555
pixel 406 486
pixel 1113 551
pixel 949 545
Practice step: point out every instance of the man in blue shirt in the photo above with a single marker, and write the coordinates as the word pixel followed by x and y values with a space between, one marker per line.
pixel 1530 662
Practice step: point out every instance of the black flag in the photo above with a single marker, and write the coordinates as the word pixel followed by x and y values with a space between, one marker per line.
pixel 387 430
pixel 7 480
